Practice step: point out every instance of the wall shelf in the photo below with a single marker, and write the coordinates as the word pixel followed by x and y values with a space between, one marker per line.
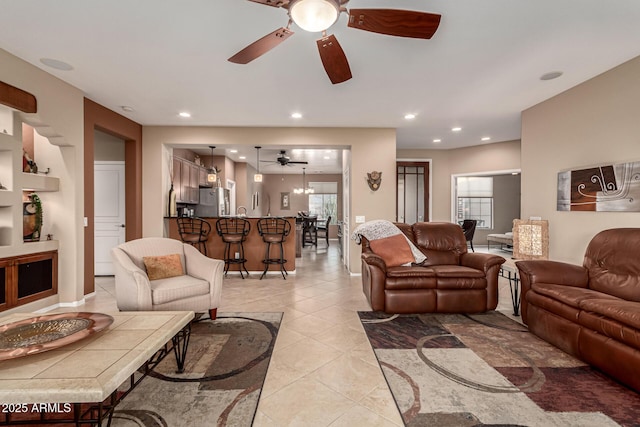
pixel 7 198
pixel 36 182
pixel 25 248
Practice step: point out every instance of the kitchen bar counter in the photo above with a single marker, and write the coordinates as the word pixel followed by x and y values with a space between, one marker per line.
pixel 254 247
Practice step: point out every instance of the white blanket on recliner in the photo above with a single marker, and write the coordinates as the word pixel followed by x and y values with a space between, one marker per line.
pixel 380 228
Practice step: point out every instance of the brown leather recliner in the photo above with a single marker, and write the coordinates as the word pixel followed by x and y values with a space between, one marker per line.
pixel 451 280
pixel 593 311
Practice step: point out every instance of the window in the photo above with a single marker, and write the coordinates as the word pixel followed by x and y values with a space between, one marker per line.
pixel 474 197
pixel 324 200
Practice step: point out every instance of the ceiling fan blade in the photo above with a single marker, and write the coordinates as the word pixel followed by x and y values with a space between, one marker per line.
pixel 261 46
pixel 297 163
pixel 274 3
pixel 395 22
pixel 334 59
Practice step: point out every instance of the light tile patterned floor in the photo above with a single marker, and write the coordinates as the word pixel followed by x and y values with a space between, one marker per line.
pixel 323 371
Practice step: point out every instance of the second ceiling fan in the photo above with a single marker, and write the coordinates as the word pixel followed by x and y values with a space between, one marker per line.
pixel 319 15
pixel 284 160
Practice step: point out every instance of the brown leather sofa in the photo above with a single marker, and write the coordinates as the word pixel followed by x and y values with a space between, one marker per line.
pixel 593 311
pixel 451 280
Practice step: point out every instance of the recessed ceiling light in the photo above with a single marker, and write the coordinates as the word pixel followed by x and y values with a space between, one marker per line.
pixel 233 151
pixel 437 140
pixel 58 65
pixel 184 114
pixel 327 157
pixel 242 157
pixel 296 115
pixel 456 129
pixel 550 76
pixel 410 116
pixel 485 138
pixel 126 108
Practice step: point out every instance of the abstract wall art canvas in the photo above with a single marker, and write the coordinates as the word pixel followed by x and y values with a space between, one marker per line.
pixel 606 188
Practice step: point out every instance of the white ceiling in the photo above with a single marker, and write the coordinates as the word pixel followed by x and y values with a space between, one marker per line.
pixel 479 71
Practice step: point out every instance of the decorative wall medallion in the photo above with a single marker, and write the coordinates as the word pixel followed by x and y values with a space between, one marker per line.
pixel 606 188
pixel 374 179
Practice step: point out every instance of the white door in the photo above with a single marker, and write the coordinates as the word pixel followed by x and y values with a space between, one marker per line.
pixel 109 213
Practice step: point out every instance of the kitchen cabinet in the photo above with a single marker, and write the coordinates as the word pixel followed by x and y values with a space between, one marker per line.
pixel 186 179
pixel 177 178
pixel 194 182
pixel 203 178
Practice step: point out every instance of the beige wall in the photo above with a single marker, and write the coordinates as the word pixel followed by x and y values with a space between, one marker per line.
pixel 107 148
pixel 371 149
pixel 59 116
pixel 500 156
pixel 591 124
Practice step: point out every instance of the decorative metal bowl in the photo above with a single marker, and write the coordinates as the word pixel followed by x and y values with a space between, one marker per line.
pixel 42 333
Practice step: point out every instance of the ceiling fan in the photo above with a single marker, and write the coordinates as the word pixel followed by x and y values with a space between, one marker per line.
pixel 284 160
pixel 319 15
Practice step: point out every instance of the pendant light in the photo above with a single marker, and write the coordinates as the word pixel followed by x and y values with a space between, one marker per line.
pixel 212 175
pixel 258 177
pixel 304 188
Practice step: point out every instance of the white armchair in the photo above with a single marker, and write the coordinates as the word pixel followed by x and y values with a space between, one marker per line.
pixel 198 290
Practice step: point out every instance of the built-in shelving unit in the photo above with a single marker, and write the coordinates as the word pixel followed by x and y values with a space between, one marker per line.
pixel 16 182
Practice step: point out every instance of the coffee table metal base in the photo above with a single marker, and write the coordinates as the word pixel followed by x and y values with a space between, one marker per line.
pixel 96 413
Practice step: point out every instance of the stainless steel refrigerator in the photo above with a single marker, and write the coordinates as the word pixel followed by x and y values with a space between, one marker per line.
pixel 214 202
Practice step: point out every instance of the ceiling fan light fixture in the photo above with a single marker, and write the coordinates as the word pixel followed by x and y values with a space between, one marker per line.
pixel 314 15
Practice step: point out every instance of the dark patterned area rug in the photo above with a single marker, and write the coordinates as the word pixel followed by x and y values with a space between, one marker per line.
pixel 486 369
pixel 226 364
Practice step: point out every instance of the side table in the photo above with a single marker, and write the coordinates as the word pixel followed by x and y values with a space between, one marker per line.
pixel 510 272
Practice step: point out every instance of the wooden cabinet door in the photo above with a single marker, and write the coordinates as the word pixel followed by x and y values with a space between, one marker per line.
pixel 186 177
pixel 177 178
pixel 7 291
pixel 194 182
pixel 27 278
pixel 203 178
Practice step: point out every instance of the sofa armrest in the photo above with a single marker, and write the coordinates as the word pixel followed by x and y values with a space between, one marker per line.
pixel 480 261
pixel 374 277
pixel 209 269
pixel 545 271
pixel 490 265
pixel 133 290
pixel 374 260
pixel 561 273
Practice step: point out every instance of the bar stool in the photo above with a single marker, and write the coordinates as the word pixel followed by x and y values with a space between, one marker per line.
pixel 233 231
pixel 194 231
pixel 274 231
pixel 310 231
pixel 322 230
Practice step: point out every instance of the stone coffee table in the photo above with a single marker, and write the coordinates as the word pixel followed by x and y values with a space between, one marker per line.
pixel 83 380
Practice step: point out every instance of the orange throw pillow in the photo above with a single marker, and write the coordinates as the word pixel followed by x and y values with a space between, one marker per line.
pixel 394 250
pixel 163 267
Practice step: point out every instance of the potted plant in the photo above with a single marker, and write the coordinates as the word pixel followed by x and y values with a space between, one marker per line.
pixel 32 218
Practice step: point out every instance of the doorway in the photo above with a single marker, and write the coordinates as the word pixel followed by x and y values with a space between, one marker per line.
pixel 491 198
pixel 413 190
